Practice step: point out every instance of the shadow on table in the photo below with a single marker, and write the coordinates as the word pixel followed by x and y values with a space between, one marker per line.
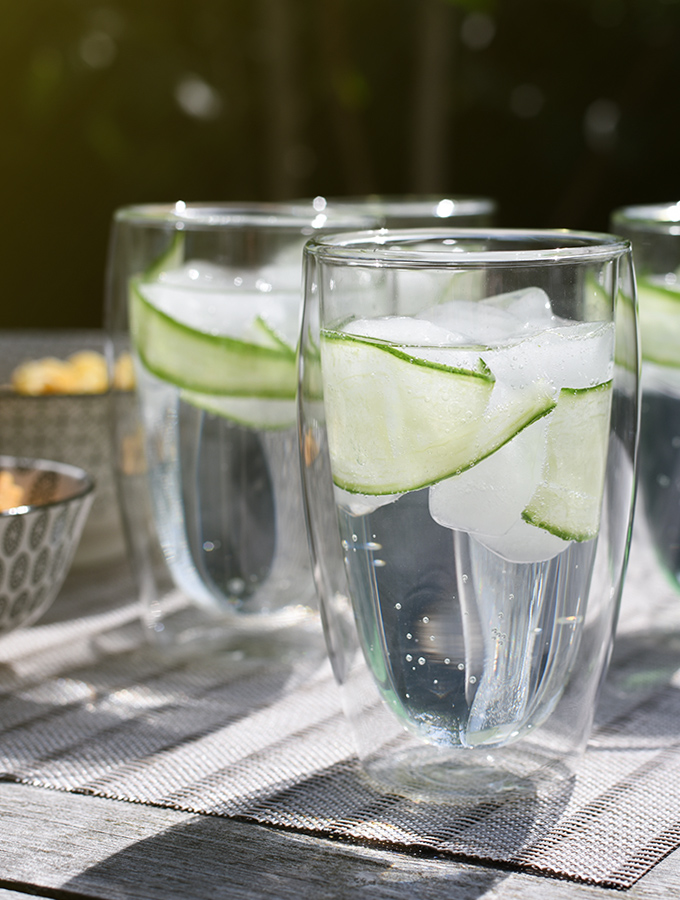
pixel 341 802
pixel 215 858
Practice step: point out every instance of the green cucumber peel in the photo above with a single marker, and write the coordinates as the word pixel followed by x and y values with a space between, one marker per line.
pixel 585 480
pixel 276 341
pixel 207 363
pixel 172 258
pixel 261 413
pixel 483 371
pixel 659 313
pixel 525 423
pixel 399 423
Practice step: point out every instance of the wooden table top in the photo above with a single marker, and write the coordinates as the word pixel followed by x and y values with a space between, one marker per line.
pixel 66 845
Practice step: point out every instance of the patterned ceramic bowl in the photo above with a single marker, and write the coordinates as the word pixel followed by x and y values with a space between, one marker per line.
pixel 39 537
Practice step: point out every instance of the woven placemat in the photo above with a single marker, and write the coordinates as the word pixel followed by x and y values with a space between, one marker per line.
pixel 86 706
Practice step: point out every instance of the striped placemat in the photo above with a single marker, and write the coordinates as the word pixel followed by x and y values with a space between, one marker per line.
pixel 87 706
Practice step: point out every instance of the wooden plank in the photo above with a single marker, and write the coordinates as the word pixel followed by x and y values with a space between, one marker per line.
pixel 70 846
pixel 13 895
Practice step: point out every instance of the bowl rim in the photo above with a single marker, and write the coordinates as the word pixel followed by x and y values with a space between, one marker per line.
pixel 86 481
pixel 7 393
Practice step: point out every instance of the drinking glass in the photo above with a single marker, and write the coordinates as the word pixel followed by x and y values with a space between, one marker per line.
pixel 415 210
pixel 654 231
pixel 206 301
pixel 468 414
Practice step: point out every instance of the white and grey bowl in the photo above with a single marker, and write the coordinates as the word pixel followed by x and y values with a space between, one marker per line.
pixel 38 539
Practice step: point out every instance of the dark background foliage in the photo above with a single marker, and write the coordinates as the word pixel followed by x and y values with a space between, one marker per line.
pixel 559 109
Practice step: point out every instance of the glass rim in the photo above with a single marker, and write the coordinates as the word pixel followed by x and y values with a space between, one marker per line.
pixel 294 216
pixel 649 217
pixel 443 206
pixel 390 247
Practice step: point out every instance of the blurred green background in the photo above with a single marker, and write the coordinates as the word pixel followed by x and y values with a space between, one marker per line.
pixel 559 109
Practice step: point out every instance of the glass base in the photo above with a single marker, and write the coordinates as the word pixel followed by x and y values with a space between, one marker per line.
pixel 437 775
pixel 178 627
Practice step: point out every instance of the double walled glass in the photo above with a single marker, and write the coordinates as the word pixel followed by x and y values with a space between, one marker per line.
pixel 415 210
pixel 204 307
pixel 655 235
pixel 469 407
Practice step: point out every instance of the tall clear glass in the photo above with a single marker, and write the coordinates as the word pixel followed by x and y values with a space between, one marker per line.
pixel 654 231
pixel 468 415
pixel 205 301
pixel 415 210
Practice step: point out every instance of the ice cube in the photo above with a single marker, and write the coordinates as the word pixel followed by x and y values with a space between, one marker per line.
pixel 212 311
pixel 497 318
pixel 530 305
pixel 524 543
pixel 201 274
pixel 285 275
pixel 420 339
pixel 490 497
pixel 223 301
pixel 476 323
pixel 574 356
pixel 413 289
pixel 404 331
